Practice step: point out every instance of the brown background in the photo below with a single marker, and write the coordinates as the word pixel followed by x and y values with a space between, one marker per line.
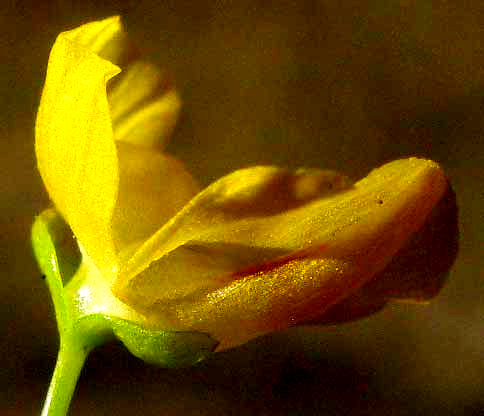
pixel 345 85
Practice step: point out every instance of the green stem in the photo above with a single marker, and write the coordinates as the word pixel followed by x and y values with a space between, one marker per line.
pixel 67 370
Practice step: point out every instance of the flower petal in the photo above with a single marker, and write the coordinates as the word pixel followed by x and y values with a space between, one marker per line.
pixel 144 105
pixel 334 244
pixel 153 187
pixel 234 212
pixel 75 148
pixel 106 38
pixel 267 300
pixel 416 273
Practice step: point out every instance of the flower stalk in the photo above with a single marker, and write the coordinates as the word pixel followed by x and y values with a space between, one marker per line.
pixel 70 362
pixel 72 351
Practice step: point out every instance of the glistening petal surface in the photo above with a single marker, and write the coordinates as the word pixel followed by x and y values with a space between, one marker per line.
pixel 75 148
pixel 329 245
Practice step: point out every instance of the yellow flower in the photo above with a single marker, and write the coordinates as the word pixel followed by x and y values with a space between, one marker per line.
pixel 260 249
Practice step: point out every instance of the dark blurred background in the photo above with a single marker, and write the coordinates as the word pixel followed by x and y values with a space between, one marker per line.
pixel 344 85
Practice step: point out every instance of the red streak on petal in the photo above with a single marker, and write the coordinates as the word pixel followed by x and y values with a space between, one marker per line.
pixel 267 266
